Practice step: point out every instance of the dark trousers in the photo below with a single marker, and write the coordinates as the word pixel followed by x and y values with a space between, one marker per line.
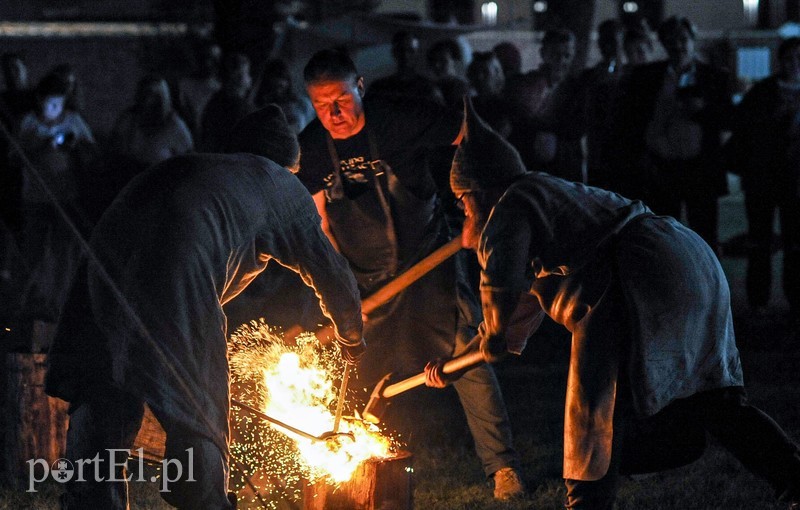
pixel 111 419
pixel 760 207
pixel 746 431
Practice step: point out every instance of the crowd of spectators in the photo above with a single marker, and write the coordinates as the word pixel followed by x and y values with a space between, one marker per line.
pixel 648 128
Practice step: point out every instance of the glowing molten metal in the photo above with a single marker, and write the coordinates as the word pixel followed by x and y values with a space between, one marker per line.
pixel 295 385
pixel 301 394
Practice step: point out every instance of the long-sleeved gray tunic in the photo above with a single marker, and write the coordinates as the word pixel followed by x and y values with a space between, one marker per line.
pixel 181 240
pixel 630 286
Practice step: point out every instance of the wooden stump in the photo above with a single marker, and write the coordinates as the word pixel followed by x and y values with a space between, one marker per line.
pixel 151 438
pixel 376 485
pixel 35 423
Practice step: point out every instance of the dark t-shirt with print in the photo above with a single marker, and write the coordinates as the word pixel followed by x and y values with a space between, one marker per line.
pixel 402 130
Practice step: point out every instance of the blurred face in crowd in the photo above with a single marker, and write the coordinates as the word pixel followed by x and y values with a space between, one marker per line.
pixel 405 52
pixel 611 45
pixel 558 57
pixel 338 105
pixel 441 64
pixel 486 76
pixel 154 103
pixel 278 85
pixel 16 74
pixel 790 64
pixel 241 80
pixel 680 47
pixel 208 60
pixel 52 108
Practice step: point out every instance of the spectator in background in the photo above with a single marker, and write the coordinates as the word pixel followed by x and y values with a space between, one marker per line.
pixel 589 103
pixel 150 130
pixel 17 98
pixel 638 47
pixel 146 133
pixel 531 92
pixel 672 116
pixel 194 91
pixel 445 58
pixel 58 145
pixel 75 100
pixel 406 81
pixel 510 59
pixel 488 83
pixel 543 140
pixel 764 150
pixel 275 85
pixel 228 105
pixel 446 64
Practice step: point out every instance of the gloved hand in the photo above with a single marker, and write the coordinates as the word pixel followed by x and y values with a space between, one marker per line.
pixel 352 351
pixel 494 348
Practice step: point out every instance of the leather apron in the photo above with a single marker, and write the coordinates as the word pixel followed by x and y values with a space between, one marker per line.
pixel 382 231
pixel 379 231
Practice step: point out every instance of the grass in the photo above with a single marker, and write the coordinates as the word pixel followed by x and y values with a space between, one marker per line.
pixel 447 474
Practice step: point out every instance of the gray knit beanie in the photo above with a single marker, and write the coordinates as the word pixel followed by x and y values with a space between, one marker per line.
pixel 266 132
pixel 484 159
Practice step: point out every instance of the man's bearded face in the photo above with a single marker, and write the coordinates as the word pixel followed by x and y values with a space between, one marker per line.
pixel 338 105
pixel 475 220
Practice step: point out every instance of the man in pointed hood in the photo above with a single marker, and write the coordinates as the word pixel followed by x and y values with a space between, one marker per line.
pixel 145 322
pixel 647 304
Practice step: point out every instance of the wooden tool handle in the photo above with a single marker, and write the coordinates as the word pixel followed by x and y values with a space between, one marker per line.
pixel 468 360
pixel 391 289
pixel 409 276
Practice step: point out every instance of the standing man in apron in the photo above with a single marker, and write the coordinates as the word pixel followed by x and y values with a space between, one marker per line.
pixel 364 163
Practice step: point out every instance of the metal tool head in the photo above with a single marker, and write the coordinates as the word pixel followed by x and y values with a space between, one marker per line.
pixel 377 404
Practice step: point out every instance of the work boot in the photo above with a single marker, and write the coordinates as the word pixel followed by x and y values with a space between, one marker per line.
pixel 508 484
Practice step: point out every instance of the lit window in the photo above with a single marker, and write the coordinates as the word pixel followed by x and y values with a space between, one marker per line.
pixel 750 11
pixel 540 6
pixel 630 7
pixel 489 13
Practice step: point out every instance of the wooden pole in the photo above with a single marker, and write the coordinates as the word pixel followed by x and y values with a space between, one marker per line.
pixel 35 423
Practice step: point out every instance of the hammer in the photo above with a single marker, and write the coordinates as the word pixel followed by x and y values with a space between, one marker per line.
pixel 378 400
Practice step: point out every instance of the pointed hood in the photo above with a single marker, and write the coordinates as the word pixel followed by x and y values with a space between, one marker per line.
pixel 484 159
pixel 266 132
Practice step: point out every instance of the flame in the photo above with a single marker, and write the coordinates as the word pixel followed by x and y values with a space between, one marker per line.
pixel 300 395
pixel 296 385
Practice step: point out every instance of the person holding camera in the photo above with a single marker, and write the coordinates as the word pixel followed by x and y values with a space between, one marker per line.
pixel 52 150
